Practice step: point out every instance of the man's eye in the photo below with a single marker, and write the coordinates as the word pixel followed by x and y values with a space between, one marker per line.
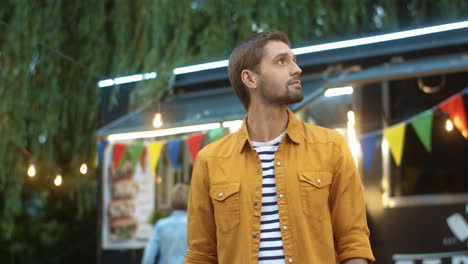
pixel 280 61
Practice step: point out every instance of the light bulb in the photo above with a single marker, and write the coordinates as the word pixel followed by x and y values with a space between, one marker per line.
pixel 31 170
pixel 84 169
pixel 159 180
pixel 58 180
pixel 157 120
pixel 448 125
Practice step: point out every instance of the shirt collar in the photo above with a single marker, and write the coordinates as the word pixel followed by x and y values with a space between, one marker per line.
pixel 292 131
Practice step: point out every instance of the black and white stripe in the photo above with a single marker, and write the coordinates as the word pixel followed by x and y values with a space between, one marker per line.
pixel 271 244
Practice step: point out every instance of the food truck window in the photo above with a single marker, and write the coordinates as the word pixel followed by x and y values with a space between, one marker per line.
pixel 444 168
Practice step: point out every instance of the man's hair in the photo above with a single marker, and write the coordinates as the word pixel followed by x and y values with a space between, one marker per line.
pixel 179 196
pixel 248 55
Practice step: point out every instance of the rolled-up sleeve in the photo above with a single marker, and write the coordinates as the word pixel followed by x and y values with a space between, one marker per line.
pixel 348 211
pixel 201 228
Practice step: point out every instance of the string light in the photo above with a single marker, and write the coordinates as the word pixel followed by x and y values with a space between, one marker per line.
pixel 159 180
pixel 58 180
pixel 84 169
pixel 157 120
pixel 448 125
pixel 31 170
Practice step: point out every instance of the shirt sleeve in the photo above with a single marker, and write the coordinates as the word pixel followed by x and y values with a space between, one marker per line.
pixel 201 226
pixel 348 211
pixel 152 248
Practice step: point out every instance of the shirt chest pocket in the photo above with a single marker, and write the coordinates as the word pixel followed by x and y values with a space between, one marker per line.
pixel 226 203
pixel 315 188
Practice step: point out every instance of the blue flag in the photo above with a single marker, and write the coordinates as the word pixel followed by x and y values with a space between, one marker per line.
pixel 173 149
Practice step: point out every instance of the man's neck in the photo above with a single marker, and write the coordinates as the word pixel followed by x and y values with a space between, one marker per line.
pixel 266 123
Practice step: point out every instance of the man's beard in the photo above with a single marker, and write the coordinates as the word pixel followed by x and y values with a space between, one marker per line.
pixel 272 97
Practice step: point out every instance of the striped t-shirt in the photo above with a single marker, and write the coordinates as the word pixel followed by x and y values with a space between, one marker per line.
pixel 271 244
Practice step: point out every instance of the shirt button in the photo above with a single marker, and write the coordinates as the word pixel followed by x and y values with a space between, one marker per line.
pixel 319 181
pixel 285 227
pixel 258 170
pixel 278 163
pixel 290 260
pixel 254 236
pixel 281 195
pixel 221 194
pixel 255 203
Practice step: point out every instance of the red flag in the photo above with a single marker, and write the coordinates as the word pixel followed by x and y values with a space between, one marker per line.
pixel 143 158
pixel 118 152
pixel 456 109
pixel 194 142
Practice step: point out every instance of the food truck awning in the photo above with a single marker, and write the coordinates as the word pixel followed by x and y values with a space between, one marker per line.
pixel 203 107
pixel 406 69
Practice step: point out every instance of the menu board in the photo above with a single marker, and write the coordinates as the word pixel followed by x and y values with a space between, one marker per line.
pixel 128 202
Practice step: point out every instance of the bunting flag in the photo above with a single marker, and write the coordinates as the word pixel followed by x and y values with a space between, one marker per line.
pixel 119 151
pixel 173 149
pixel 194 142
pixel 143 159
pixel 154 152
pixel 395 137
pixel 100 152
pixel 368 143
pixel 423 127
pixel 135 151
pixel 456 109
pixel 215 134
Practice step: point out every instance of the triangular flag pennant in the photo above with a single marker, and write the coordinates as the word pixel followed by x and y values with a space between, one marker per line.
pixel 143 159
pixel 173 149
pixel 135 153
pixel 368 143
pixel 154 152
pixel 456 109
pixel 119 151
pixel 194 142
pixel 215 134
pixel 423 127
pixel 100 151
pixel 395 137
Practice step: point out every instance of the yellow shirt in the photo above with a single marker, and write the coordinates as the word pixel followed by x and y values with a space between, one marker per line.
pixel 319 191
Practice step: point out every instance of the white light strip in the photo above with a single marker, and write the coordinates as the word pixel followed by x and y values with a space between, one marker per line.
pixel 234 123
pixel 323 47
pixel 201 67
pixel 128 79
pixel 339 91
pixel 381 38
pixel 163 132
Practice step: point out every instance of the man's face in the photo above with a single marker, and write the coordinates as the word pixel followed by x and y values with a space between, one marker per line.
pixel 278 79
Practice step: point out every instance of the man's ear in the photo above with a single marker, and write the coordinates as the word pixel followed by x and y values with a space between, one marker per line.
pixel 249 78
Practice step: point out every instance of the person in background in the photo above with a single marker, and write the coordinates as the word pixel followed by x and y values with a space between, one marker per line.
pixel 168 242
pixel 278 190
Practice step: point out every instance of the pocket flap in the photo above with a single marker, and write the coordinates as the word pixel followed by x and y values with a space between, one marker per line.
pixel 318 179
pixel 222 191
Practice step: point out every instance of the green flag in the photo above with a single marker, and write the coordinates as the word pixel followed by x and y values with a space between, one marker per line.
pixel 135 153
pixel 423 127
pixel 215 134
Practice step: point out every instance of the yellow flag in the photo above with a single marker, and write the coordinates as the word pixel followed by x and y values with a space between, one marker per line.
pixel 154 152
pixel 395 137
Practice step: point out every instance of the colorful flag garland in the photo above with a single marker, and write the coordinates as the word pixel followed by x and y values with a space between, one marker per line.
pixel 422 124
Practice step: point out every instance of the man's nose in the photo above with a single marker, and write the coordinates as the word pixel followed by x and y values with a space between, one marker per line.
pixel 296 71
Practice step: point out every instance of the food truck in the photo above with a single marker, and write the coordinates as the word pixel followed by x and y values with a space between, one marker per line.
pixel 401 101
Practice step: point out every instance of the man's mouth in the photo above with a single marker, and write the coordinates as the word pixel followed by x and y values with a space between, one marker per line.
pixel 294 82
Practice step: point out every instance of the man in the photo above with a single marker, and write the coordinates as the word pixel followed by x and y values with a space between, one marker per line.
pixel 278 190
pixel 169 241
